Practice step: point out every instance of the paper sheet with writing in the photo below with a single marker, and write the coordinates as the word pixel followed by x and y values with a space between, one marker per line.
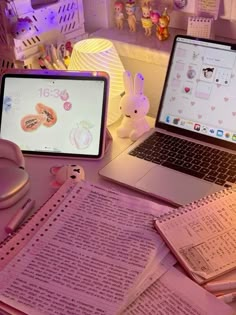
pixel 203 236
pixel 86 257
pixel 175 294
pixel 151 277
pixel 208 8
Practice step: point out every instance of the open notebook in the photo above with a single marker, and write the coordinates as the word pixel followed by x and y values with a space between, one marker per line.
pixel 202 235
pixel 88 248
pixel 91 250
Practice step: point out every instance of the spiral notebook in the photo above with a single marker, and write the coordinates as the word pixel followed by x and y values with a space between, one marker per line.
pixel 202 235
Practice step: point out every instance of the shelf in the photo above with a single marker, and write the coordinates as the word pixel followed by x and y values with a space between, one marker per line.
pixel 138 46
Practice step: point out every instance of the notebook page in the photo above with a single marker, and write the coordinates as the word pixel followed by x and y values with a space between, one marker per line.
pixel 167 296
pixel 86 257
pixel 164 266
pixel 15 242
pixel 203 235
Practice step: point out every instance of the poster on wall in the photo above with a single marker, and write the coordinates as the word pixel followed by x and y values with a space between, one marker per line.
pixel 208 8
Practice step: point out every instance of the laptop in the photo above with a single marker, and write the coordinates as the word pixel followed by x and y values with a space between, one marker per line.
pixel 190 153
pixel 55 113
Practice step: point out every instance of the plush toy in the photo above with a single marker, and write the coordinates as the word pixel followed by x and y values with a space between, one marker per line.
pixel 162 26
pixel 134 106
pixel 62 173
pixel 23 28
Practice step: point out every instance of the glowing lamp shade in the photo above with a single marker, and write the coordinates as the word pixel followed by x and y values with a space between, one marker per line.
pixel 98 54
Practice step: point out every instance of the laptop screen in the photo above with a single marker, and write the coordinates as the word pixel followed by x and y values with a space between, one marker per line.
pixel 54 113
pixel 199 95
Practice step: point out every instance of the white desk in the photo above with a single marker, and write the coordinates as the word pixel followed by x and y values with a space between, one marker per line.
pixel 40 177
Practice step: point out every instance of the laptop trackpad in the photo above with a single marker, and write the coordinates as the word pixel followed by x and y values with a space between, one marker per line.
pixel 174 186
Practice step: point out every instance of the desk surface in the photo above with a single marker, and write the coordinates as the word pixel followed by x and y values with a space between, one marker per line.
pixel 40 177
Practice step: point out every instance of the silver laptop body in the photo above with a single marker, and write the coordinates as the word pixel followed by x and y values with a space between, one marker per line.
pixel 198 104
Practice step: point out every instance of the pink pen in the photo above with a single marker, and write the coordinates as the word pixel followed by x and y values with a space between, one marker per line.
pixel 19 216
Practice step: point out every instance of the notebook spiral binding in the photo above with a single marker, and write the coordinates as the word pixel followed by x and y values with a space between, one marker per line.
pixel 194 205
pixel 40 219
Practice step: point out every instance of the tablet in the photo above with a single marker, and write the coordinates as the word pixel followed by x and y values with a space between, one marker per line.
pixel 55 113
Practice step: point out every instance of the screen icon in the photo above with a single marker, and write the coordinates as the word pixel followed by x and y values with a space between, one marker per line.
pixel 204 129
pixel 219 133
pixel 176 121
pixel 197 127
pixel 212 130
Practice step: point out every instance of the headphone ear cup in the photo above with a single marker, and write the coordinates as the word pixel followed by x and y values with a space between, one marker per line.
pixel 14 179
pixel 10 150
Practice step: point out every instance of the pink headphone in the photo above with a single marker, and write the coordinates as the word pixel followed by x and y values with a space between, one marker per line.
pixel 9 150
pixel 14 179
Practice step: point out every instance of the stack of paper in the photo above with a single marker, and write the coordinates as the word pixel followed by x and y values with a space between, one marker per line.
pixel 93 251
pixel 176 294
pixel 87 249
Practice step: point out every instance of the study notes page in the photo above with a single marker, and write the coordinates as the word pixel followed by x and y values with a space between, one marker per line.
pixel 86 257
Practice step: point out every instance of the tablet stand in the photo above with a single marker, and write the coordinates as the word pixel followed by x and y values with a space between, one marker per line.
pixel 108 140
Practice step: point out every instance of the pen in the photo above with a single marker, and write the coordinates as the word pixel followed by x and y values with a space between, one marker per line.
pixel 55 66
pixel 60 65
pixel 53 53
pixel 221 285
pixel 47 64
pixel 41 63
pixel 67 60
pixel 19 216
pixel 227 298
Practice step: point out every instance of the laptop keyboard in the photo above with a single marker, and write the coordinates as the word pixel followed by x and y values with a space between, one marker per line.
pixel 188 157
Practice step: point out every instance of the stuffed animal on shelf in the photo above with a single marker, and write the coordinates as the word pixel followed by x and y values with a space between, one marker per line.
pixel 162 26
pixel 119 15
pixel 62 173
pixel 130 8
pixel 146 19
pixel 23 28
pixel 134 106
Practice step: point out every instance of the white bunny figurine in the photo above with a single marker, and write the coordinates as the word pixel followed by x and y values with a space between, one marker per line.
pixel 134 106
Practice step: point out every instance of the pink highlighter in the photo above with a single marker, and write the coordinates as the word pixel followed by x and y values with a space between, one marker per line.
pixel 19 216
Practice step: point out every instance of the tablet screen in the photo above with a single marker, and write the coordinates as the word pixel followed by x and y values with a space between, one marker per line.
pixel 54 113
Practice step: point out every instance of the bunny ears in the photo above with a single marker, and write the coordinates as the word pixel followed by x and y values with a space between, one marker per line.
pixel 135 89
